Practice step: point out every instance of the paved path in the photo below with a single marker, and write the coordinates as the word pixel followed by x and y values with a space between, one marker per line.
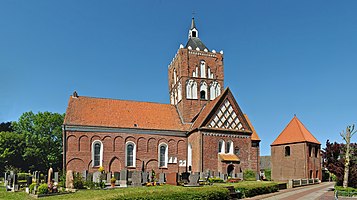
pixel 323 191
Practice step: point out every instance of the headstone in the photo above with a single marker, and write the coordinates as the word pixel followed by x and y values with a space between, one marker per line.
pixel 84 175
pixel 90 177
pixel 161 178
pixel 49 176
pixel 221 176
pixel 109 176
pixel 185 176
pixel 117 175
pixel 69 179
pixel 136 179
pixel 15 184
pixel 45 179
pixel 151 177
pixel 37 177
pixel 194 179
pixel 56 177
pixel 172 178
pixel 29 181
pixel 144 176
pixel 123 178
pixel 5 179
pixel 96 177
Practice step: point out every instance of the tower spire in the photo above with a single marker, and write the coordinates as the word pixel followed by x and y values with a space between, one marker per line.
pixel 193 25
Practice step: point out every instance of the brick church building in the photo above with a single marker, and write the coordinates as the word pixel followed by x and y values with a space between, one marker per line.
pixel 203 128
pixel 295 154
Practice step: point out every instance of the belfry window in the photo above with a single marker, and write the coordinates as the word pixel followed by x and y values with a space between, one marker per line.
pixel 203 94
pixel 203 91
pixel 194 34
pixel 97 153
pixel 287 151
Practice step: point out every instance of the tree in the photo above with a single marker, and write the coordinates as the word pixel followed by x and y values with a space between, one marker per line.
pixel 42 134
pixel 11 149
pixel 347 137
pixel 334 161
pixel 5 126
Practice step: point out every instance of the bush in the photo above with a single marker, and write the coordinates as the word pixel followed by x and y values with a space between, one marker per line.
pixel 348 192
pixel 32 187
pixel 78 181
pixel 215 180
pixel 62 181
pixel 208 193
pixel 249 175
pixel 267 173
pixel 42 189
pixel 257 189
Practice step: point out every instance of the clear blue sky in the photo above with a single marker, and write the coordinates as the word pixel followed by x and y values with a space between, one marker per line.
pixel 281 57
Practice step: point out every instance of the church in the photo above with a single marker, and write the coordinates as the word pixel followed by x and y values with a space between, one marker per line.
pixel 202 129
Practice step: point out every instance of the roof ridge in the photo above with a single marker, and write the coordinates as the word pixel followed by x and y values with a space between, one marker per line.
pixel 104 98
pixel 297 121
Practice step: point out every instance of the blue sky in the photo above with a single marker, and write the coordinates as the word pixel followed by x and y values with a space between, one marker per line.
pixel 281 57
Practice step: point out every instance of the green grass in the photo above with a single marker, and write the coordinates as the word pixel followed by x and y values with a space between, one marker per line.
pixel 119 193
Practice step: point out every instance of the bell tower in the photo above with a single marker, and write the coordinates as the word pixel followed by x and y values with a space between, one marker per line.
pixel 195 76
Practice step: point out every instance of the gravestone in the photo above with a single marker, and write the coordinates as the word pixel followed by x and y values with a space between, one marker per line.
pixel 161 178
pixel 96 177
pixel 37 177
pixel 84 175
pixel 29 181
pixel 136 179
pixel 144 176
pixel 109 176
pixel 151 177
pixel 45 179
pixel 56 177
pixel 5 179
pixel 15 186
pixel 90 177
pixel 221 176
pixel 69 179
pixel 185 176
pixel 194 179
pixel 172 178
pixel 123 178
pixel 49 176
pixel 117 175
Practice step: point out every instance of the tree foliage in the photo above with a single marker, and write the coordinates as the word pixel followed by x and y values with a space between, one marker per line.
pixel 35 143
pixel 5 126
pixel 334 160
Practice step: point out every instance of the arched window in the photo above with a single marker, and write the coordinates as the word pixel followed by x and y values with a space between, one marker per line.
pixel 172 98
pixel 130 154
pixel 189 156
pixel 203 91
pixel 97 153
pixel 215 90
pixel 236 151
pixel 203 69
pixel 163 155
pixel 175 76
pixel 179 90
pixel 287 151
pixel 221 146
pixel 229 148
pixel 191 89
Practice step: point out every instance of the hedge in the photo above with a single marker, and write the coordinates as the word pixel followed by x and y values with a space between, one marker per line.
pixel 257 189
pixel 349 191
pixel 249 175
pixel 208 193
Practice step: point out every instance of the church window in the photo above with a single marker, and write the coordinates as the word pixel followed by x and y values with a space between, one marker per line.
pixel 316 151
pixel 97 153
pixel 215 90
pixel 163 155
pixel 229 148
pixel 175 76
pixel 236 151
pixel 210 75
pixel 194 34
pixel 130 154
pixel 203 69
pixel 287 151
pixel 221 146
pixel 203 91
pixel 191 89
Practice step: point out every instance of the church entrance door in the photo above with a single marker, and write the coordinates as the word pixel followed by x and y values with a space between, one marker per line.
pixel 230 169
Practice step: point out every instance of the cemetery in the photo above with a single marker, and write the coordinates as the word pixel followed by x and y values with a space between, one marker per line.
pixel 131 184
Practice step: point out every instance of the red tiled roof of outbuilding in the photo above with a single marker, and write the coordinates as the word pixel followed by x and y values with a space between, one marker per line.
pixel 89 111
pixel 295 132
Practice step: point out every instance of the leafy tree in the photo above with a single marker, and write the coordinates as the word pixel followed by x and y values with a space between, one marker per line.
pixel 42 135
pixel 5 126
pixel 334 160
pixel 11 148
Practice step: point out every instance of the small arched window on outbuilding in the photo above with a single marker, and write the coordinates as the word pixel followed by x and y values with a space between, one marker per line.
pixel 287 151
pixel 163 155
pixel 130 154
pixel 229 148
pixel 97 153
pixel 221 146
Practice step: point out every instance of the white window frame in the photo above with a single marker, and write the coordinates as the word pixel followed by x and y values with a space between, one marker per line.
pixel 223 147
pixel 166 155
pixel 126 154
pixel 231 147
pixel 100 153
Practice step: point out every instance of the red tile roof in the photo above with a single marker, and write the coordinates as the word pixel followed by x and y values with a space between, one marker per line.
pixel 254 133
pixel 295 132
pixel 89 111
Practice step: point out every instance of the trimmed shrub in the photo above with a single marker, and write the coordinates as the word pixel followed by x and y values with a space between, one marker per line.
pixel 347 192
pixel 257 189
pixel 42 189
pixel 78 181
pixel 206 193
pixel 267 173
pixel 249 175
pixel 32 187
pixel 215 180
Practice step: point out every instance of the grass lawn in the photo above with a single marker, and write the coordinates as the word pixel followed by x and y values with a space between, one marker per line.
pixel 122 192
pixel 247 183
